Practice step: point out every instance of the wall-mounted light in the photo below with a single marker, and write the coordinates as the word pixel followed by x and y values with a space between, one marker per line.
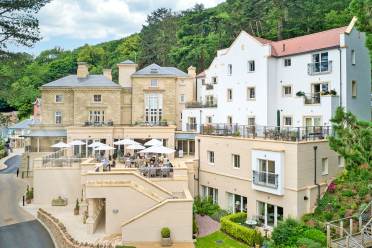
pixel 306 198
pixel 115 211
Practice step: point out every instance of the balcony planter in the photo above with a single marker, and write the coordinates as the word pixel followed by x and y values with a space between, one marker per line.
pixel 300 93
pixel 165 237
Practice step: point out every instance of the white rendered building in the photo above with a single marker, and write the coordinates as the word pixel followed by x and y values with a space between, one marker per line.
pixel 295 82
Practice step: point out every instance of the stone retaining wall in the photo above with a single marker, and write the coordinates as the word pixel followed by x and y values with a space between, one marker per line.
pixel 62 238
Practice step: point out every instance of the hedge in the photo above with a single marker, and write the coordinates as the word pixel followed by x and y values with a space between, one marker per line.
pixel 230 224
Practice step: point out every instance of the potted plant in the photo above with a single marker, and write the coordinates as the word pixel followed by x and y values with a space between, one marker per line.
pixel 300 93
pixel 165 237
pixel 77 207
pixel 28 196
pixel 333 92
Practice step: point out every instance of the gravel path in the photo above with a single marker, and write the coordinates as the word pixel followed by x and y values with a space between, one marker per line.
pixel 206 225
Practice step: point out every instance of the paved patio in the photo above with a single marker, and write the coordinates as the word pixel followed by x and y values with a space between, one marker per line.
pixel 206 225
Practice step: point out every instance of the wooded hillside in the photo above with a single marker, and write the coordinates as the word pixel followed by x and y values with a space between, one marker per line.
pixel 180 39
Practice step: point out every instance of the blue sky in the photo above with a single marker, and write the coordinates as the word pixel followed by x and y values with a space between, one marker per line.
pixel 72 23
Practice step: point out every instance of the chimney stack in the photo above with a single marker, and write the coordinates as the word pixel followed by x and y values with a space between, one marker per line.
pixel 126 69
pixel 107 74
pixel 82 70
pixel 191 71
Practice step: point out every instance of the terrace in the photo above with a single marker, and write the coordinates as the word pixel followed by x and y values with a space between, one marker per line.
pixel 294 134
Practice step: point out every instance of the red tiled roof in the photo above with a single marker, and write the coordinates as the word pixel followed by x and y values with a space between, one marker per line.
pixel 201 74
pixel 311 42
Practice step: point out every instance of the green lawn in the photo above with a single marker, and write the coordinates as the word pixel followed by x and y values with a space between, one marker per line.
pixel 210 241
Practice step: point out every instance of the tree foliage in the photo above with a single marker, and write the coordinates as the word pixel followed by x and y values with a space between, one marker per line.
pixel 17 22
pixel 352 140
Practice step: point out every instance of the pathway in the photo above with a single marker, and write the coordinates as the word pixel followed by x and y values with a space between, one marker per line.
pixel 206 225
pixel 17 227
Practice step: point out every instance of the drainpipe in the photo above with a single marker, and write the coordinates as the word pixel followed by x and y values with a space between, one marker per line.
pixel 315 169
pixel 197 178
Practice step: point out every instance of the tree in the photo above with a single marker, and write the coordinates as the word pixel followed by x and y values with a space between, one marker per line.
pixel 352 139
pixel 18 23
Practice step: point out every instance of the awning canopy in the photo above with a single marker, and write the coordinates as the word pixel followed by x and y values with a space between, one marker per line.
pixel 158 149
pixel 47 133
pixel 153 142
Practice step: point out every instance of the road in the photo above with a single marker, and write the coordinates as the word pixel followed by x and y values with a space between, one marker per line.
pixel 18 228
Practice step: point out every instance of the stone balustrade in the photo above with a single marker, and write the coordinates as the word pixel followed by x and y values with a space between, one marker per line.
pixel 61 237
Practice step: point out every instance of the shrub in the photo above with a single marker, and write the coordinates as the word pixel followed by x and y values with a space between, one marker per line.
pixel 331 187
pixel 230 225
pixel 316 235
pixel 347 193
pixel 195 228
pixel 219 214
pixel 288 232
pixel 308 243
pixel 205 206
pixel 165 232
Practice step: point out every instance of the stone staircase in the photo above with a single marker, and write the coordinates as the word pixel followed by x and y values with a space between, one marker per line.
pixel 354 231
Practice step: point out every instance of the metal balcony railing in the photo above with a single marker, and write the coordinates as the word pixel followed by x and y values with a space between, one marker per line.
pixel 312 98
pixel 268 132
pixel 205 104
pixel 98 124
pixel 266 179
pixel 319 67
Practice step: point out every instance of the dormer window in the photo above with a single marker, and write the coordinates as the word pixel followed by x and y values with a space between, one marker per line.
pixel 97 98
pixel 154 83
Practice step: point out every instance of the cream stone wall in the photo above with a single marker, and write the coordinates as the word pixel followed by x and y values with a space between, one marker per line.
pixel 298 171
pixel 50 106
pixel 49 183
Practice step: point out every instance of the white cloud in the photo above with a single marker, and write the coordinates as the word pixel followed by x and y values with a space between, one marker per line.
pixel 102 19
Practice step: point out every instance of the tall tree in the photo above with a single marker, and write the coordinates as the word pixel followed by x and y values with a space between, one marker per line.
pixel 17 22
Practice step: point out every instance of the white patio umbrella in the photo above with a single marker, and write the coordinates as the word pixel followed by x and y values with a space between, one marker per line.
pixel 136 147
pixel 95 144
pixel 158 150
pixel 61 145
pixel 104 147
pixel 125 142
pixel 76 143
pixel 154 142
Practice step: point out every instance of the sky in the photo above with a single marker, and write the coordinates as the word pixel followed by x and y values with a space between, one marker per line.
pixel 73 23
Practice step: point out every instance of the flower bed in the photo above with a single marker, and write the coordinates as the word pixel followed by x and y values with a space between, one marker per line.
pixel 230 224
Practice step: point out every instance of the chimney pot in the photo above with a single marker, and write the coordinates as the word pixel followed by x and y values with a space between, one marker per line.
pixel 82 70
pixel 191 71
pixel 107 74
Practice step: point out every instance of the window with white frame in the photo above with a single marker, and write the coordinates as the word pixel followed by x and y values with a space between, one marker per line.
pixel 58 117
pixel 251 66
pixel 203 81
pixel 153 108
pixel 97 98
pixel 236 160
pixel 269 214
pixel 59 98
pixel 287 62
pixel 251 121
pixel 353 59
pixel 340 161
pixel 320 62
pixel 287 90
pixel 312 121
pixel 229 69
pixel 210 155
pixel 209 192
pixel 182 98
pixel 209 119
pixel 287 121
pixel 229 95
pixel 97 116
pixel 154 83
pixel 324 168
pixel 353 88
pixel 236 203
pixel 214 80
pixel 251 93
pixel 229 120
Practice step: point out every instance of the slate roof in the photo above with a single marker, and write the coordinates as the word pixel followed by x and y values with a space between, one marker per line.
pixel 127 62
pixel 155 69
pixel 25 124
pixel 91 81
